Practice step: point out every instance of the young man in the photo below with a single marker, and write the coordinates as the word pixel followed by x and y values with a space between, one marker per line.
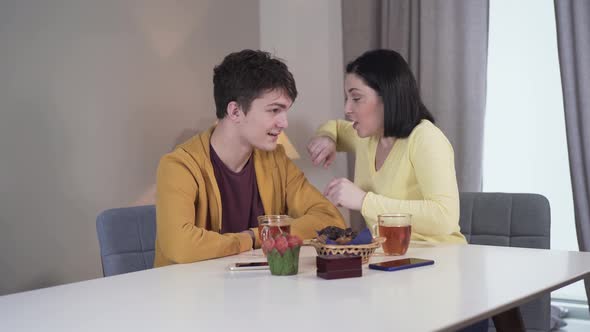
pixel 212 188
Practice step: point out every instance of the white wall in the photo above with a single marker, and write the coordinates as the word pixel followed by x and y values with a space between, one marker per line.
pixel 308 35
pixel 525 147
pixel 92 93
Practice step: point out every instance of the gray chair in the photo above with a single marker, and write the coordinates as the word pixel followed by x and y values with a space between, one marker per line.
pixel 514 220
pixel 127 237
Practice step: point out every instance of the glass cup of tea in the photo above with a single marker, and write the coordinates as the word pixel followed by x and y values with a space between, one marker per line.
pixel 269 226
pixel 396 228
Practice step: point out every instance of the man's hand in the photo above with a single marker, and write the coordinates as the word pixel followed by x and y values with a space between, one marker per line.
pixel 322 150
pixel 342 192
pixel 251 233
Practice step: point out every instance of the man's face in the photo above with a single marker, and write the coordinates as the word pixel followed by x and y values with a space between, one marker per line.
pixel 265 120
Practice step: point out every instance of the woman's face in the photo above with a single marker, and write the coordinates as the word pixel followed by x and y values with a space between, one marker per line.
pixel 363 106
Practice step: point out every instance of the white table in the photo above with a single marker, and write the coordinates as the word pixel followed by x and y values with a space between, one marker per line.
pixel 467 283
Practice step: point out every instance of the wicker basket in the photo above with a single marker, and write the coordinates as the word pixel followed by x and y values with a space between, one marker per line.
pixel 363 250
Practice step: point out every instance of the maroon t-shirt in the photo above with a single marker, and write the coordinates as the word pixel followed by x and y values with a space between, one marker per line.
pixel 241 204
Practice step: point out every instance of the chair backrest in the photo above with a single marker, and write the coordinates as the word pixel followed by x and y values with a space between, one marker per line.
pixel 127 237
pixel 514 220
pixel 502 219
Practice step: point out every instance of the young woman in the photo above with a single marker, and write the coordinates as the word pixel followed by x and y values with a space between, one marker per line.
pixel 404 163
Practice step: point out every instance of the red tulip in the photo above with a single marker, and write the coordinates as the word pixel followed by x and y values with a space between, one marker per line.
pixel 294 241
pixel 281 244
pixel 267 245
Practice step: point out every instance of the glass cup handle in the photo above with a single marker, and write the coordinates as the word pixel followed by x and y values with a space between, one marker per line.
pixel 376 230
pixel 264 233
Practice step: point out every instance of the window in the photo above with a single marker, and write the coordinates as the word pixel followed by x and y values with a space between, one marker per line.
pixel 525 148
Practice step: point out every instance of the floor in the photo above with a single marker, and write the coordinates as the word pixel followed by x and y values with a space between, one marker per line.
pixel 576 325
pixel 578 317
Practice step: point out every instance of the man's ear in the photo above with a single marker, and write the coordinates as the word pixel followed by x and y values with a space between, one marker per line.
pixel 234 111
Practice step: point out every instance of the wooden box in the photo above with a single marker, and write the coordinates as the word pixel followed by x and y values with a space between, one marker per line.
pixel 339 266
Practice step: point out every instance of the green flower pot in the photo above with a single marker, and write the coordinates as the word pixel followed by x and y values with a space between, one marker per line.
pixel 286 264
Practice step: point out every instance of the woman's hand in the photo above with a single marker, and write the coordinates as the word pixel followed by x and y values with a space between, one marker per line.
pixel 342 192
pixel 322 150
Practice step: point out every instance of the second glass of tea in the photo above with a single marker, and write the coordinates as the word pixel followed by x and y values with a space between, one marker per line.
pixel 269 226
pixel 396 228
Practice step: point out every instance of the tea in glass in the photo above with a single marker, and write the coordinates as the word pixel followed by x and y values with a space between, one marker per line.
pixel 269 226
pixel 396 228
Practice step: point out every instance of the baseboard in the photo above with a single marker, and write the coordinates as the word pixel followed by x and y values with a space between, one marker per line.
pixel 576 309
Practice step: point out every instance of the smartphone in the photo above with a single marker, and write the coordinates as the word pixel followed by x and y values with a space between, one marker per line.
pixel 249 266
pixel 400 264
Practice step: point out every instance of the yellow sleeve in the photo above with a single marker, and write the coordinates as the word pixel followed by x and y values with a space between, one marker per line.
pixel 179 239
pixel 310 209
pixel 341 132
pixel 432 158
